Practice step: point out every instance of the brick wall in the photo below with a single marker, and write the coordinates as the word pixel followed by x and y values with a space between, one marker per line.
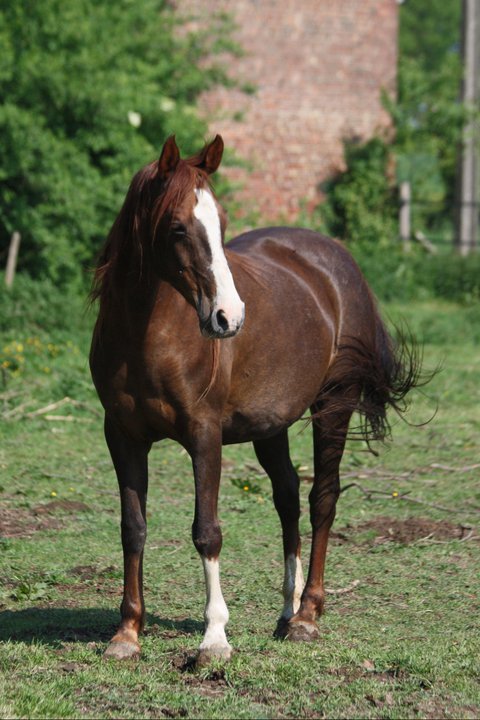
pixel 319 67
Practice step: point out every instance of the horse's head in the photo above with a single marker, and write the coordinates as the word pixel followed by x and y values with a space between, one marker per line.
pixel 188 228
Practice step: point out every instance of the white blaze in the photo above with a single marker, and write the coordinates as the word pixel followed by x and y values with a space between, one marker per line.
pixel 227 298
pixel 292 586
pixel 216 611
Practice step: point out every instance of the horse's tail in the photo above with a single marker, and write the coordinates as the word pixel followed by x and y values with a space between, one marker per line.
pixel 393 369
pixel 369 378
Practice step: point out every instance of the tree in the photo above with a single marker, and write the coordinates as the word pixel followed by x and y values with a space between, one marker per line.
pixel 89 89
pixel 428 114
pixel 427 119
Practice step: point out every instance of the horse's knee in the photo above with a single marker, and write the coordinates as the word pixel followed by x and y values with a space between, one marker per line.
pixel 134 534
pixel 207 539
pixel 286 499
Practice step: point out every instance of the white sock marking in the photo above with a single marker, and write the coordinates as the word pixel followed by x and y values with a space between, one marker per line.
pixel 227 298
pixel 216 611
pixel 292 586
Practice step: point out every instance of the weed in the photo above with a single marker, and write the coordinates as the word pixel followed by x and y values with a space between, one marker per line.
pixel 246 485
pixel 28 590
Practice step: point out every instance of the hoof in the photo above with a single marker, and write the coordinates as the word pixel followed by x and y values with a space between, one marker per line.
pixel 297 631
pixel 282 629
pixel 208 655
pixel 122 650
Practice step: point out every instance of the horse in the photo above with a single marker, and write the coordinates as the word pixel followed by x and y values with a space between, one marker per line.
pixel 211 345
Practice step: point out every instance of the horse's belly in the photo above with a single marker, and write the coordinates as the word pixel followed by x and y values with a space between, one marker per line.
pixel 245 426
pixel 268 396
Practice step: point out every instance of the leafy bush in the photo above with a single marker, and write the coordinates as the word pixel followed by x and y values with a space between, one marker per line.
pixel 36 307
pixel 44 340
pixel 360 204
pixel 395 275
pixel 452 277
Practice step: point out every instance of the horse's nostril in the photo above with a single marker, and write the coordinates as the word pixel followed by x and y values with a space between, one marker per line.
pixel 222 320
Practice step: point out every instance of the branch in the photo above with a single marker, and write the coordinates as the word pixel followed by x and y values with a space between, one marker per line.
pixel 405 496
pixel 18 412
pixel 465 468
pixel 342 591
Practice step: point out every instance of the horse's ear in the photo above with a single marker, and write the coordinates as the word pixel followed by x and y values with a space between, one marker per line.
pixel 169 157
pixel 211 156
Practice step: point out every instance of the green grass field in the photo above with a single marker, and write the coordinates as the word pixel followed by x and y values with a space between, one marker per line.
pixel 399 638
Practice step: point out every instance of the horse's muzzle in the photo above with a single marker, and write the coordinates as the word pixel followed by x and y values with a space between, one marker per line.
pixel 218 325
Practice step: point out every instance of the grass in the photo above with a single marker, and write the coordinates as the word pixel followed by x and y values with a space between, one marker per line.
pixel 403 643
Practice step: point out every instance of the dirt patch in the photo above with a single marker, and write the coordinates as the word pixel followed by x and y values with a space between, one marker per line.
pixel 23 522
pixel 211 685
pixel 71 667
pixel 173 713
pixel 404 532
pixel 84 572
pixel 18 523
pixel 350 673
pixel 91 572
pixel 60 506
pixel 436 710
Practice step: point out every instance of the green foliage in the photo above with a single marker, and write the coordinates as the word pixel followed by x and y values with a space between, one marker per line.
pixel 430 31
pixel 39 306
pixel 89 92
pixel 246 485
pixel 396 275
pixel 428 116
pixel 28 590
pixel 427 119
pixel 44 339
pixel 360 204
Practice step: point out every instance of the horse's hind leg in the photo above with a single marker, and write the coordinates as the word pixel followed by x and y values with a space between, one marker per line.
pixel 273 455
pixel 130 462
pixel 329 444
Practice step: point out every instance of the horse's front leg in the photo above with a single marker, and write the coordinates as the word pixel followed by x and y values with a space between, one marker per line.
pixel 206 455
pixel 130 462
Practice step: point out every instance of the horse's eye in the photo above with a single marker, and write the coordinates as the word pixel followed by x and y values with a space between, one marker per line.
pixel 178 230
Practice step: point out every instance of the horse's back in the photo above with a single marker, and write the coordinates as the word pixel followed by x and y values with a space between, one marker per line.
pixel 321 264
pixel 285 236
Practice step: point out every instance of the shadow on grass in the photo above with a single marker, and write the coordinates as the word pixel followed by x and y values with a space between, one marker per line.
pixel 54 626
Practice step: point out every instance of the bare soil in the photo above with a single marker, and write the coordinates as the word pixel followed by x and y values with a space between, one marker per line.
pixel 20 523
pixel 404 532
pixel 24 522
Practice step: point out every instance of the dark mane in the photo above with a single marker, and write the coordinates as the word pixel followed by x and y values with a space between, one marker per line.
pixel 148 200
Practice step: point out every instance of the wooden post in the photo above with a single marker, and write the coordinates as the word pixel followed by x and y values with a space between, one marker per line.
pixel 467 215
pixel 405 215
pixel 12 259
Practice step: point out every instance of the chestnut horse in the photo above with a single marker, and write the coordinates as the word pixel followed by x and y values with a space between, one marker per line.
pixel 210 346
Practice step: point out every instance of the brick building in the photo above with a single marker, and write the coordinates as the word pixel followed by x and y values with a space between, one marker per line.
pixel 319 67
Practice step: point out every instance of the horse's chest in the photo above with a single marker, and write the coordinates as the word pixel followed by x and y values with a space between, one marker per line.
pixel 132 394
